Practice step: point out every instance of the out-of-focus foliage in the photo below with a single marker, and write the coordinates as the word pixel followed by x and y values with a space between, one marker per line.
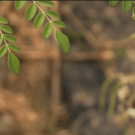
pixel 126 6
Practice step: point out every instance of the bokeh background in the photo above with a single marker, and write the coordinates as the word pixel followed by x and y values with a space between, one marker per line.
pixel 90 91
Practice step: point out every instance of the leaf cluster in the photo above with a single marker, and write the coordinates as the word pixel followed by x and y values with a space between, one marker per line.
pixel 5 37
pixel 39 20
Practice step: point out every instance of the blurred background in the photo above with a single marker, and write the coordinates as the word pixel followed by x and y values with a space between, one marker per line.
pixel 90 91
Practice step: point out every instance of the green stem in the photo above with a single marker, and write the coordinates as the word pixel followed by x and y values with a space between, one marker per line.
pixel 104 86
pixel 4 40
pixel 35 2
pixel 113 99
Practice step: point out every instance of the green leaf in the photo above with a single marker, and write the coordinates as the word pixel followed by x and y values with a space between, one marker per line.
pixel 19 4
pixel 3 20
pixel 6 29
pixel 59 24
pixel 47 30
pixel 126 5
pixel 47 3
pixel 53 14
pixel 14 47
pixel 3 50
pixel 13 63
pixel 63 41
pixel 9 38
pixel 113 3
pixel 30 12
pixel 39 20
pixel 1 39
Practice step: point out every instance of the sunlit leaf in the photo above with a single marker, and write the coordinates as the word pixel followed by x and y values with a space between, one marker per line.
pixel 3 50
pixel 113 3
pixel 30 12
pixel 14 47
pixel 47 30
pixel 47 3
pixel 59 24
pixel 9 38
pixel 19 4
pixel 63 41
pixel 6 29
pixel 3 20
pixel 126 5
pixel 13 63
pixel 39 20
pixel 53 14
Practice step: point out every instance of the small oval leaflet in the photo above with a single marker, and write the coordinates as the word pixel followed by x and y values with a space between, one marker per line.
pixel 6 29
pixel 126 5
pixel 19 4
pixel 9 38
pixel 30 12
pixel 113 3
pixel 47 30
pixel 3 50
pixel 53 14
pixel 39 20
pixel 3 20
pixel 63 41
pixel 1 39
pixel 47 3
pixel 14 47
pixel 59 24
pixel 13 63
